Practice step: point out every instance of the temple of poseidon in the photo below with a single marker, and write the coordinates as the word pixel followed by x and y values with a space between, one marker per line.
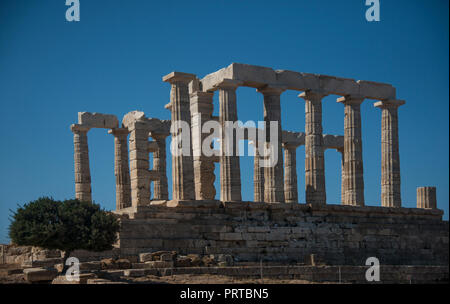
pixel 275 226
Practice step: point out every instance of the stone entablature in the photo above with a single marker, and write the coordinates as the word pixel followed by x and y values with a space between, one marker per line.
pixel 258 77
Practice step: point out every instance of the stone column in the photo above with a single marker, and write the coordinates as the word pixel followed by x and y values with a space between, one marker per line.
pixel 182 165
pixel 160 187
pixel 290 174
pixel 426 197
pixel 83 190
pixel 353 162
pixel 258 176
pixel 230 172
pixel 204 177
pixel 341 150
pixel 390 158
pixel 273 181
pixel 314 150
pixel 121 168
pixel 139 164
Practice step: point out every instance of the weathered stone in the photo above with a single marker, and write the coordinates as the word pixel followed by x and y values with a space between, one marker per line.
pixel 39 274
pixel 98 120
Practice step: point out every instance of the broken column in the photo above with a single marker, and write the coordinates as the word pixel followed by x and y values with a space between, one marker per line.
pixel 182 165
pixel 160 187
pixel 81 158
pixel 426 197
pixel 290 173
pixel 230 173
pixel 390 157
pixel 121 168
pixel 273 181
pixel 204 177
pixel 314 150
pixel 353 162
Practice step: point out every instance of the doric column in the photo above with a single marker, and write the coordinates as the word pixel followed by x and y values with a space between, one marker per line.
pixel 353 162
pixel 230 172
pixel 273 181
pixel 81 158
pixel 426 197
pixel 182 165
pixel 290 174
pixel 314 150
pixel 204 177
pixel 390 157
pixel 258 176
pixel 341 150
pixel 121 168
pixel 139 164
pixel 160 188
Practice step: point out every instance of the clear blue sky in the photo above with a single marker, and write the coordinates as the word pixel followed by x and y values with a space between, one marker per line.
pixel 113 59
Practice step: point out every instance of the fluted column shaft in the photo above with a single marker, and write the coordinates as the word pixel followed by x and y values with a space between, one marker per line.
pixel 353 161
pixel 258 176
pixel 273 175
pixel 230 173
pixel 204 177
pixel 83 190
pixel 314 150
pixel 121 168
pixel 390 157
pixel 341 150
pixel 182 165
pixel 160 187
pixel 290 174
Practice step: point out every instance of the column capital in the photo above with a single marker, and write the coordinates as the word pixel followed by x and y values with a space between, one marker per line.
pixel 313 95
pixel 351 99
pixel 179 77
pixel 389 103
pixel 76 128
pixel 269 90
pixel 228 84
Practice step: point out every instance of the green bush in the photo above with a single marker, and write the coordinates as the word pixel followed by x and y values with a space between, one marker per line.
pixel 65 225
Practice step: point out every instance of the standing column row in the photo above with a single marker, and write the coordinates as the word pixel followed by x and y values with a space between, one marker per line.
pixel 160 187
pixel 353 162
pixel 273 175
pixel 121 168
pixel 314 150
pixel 139 164
pixel 204 177
pixel 230 173
pixel 258 175
pixel 390 157
pixel 182 165
pixel 81 159
pixel 290 173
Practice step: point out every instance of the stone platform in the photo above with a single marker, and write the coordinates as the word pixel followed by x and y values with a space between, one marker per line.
pixel 281 232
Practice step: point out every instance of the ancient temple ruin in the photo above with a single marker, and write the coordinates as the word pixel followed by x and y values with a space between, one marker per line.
pixel 234 224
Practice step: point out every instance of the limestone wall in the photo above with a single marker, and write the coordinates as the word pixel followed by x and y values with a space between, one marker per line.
pixel 336 234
